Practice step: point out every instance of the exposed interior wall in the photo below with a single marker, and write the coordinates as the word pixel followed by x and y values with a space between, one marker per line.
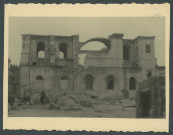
pixel 111 58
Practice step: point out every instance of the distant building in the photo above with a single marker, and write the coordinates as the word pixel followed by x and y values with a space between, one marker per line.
pixel 13 81
pixel 51 63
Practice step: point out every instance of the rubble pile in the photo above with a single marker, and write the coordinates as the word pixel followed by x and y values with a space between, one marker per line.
pixel 77 102
pixel 79 105
pixel 73 102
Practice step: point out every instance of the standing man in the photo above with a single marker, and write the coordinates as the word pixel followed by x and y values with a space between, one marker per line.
pixel 42 97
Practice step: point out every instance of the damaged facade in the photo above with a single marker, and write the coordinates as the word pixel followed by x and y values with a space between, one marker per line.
pixel 13 80
pixel 51 63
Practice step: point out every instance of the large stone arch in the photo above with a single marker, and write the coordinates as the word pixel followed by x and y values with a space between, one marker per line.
pixel 105 41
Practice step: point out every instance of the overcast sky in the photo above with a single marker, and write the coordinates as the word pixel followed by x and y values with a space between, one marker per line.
pixel 87 28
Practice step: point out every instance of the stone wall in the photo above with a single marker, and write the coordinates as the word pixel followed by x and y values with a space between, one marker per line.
pixel 112 58
pixel 59 75
pixel 51 82
pixel 150 98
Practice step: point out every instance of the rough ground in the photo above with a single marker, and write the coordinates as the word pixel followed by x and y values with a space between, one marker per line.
pixel 80 106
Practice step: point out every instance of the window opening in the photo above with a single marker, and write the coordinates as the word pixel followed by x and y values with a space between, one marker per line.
pixel 149 74
pixel 126 52
pixel 89 82
pixel 132 83
pixel 110 82
pixel 39 77
pixel 40 50
pixel 63 51
pixel 147 49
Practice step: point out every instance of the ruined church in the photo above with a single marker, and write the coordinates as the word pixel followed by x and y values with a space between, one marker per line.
pixel 51 63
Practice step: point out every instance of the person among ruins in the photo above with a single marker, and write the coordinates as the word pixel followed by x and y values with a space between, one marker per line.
pixel 42 97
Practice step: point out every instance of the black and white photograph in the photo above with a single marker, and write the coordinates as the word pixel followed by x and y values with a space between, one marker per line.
pixel 53 73
pixel 87 67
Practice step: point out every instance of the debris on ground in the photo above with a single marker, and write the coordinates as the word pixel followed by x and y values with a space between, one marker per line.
pixel 81 105
pixel 74 102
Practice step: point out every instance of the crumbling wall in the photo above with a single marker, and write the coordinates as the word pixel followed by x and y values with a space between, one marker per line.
pixel 51 82
pixel 98 64
pixel 150 98
pixel 145 60
pixel 112 58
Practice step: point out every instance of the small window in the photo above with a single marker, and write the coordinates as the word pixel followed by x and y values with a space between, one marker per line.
pixel 34 63
pixel 132 83
pixel 147 49
pixel 110 82
pixel 89 82
pixel 39 77
pixel 126 52
pixel 149 74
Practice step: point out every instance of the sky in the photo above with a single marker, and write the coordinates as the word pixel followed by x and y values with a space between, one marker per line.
pixel 86 28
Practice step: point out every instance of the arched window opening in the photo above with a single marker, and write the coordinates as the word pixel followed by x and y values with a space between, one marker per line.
pixel 126 52
pixel 39 77
pixel 132 83
pixel 89 82
pixel 110 82
pixel 63 51
pixel 40 50
pixel 64 82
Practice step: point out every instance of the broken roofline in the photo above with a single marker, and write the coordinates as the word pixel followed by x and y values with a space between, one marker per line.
pixel 114 35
